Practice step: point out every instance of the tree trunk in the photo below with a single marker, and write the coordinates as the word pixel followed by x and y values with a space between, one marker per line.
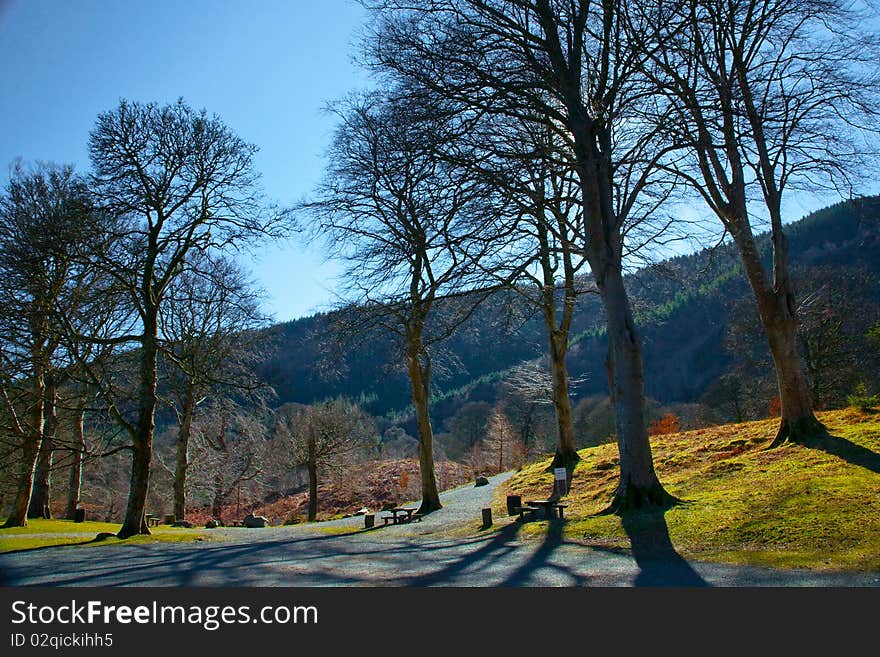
pixel 41 493
pixel 501 450
pixel 420 380
pixel 639 486
pixel 30 449
pixel 182 463
pixel 74 485
pixel 566 455
pixel 142 443
pixel 557 337
pixel 776 308
pixel 313 476
pixel 217 502
pixel 798 420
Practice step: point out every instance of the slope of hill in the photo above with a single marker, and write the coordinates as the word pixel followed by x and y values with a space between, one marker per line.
pixel 814 506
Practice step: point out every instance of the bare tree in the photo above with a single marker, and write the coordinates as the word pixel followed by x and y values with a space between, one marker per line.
pixel 75 419
pixel 544 230
pixel 177 181
pixel 322 436
pixel 565 66
pixel 765 97
pixel 501 446
pixel 411 227
pixel 209 326
pixel 45 215
pixel 229 452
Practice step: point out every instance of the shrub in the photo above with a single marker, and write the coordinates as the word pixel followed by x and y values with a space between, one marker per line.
pixel 862 400
pixel 669 423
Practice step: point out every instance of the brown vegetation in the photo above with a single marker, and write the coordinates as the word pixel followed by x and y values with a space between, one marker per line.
pixel 371 485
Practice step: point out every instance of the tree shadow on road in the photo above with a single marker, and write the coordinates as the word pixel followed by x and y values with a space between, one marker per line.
pixel 659 563
pixel 542 559
pixel 151 564
pixel 482 558
pixel 489 562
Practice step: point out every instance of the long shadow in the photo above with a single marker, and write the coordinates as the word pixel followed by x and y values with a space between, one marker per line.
pixel 655 555
pixel 39 548
pixel 147 563
pixel 523 575
pixel 844 449
pixel 493 549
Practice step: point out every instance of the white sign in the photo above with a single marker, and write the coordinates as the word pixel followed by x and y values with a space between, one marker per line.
pixel 560 474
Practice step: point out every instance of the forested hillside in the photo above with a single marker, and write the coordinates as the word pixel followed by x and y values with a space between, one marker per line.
pixel 685 307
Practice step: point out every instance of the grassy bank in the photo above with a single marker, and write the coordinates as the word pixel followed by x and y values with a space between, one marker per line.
pixel 812 507
pixel 44 533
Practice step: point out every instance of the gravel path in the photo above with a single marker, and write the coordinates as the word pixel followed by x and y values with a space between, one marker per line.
pixel 427 553
pixel 461 506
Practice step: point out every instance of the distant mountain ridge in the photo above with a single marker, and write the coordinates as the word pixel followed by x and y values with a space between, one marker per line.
pixel 682 308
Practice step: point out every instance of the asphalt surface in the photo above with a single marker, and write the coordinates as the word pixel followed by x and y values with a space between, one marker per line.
pixel 342 553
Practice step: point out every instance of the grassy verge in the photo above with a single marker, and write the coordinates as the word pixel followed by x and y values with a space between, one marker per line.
pixel 42 533
pixel 812 507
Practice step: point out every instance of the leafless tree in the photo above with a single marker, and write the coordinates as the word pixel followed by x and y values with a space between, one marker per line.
pixel 544 256
pixel 764 98
pixel 565 66
pixel 230 451
pixel 177 181
pixel 45 215
pixel 74 421
pixel 502 447
pixel 411 226
pixel 321 436
pixel 211 344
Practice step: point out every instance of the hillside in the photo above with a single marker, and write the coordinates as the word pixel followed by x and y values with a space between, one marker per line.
pixel 683 307
pixel 814 506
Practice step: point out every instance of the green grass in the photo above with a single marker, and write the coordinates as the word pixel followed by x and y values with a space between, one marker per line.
pixel 792 507
pixel 42 533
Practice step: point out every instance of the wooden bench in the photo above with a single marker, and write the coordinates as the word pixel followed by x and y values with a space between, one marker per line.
pixel 547 508
pixel 523 511
pixel 401 516
pixel 551 508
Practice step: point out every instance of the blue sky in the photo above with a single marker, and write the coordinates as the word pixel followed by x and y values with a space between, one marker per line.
pixel 267 68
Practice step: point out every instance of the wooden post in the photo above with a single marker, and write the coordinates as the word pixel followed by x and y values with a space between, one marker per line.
pixel 487 517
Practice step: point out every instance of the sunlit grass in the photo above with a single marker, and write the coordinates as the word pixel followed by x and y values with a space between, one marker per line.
pixel 789 507
pixel 42 533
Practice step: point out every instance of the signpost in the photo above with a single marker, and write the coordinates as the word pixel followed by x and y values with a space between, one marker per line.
pixel 560 482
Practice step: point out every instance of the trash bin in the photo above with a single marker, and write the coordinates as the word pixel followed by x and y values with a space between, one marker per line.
pixel 369 520
pixel 513 502
pixel 79 515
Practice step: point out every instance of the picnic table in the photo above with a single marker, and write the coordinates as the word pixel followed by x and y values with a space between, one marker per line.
pixel 551 508
pixel 401 515
pixel 152 520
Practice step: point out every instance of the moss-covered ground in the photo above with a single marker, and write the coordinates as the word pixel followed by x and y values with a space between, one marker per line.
pixel 44 533
pixel 815 506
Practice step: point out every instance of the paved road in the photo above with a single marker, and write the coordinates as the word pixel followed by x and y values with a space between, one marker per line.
pixel 401 555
